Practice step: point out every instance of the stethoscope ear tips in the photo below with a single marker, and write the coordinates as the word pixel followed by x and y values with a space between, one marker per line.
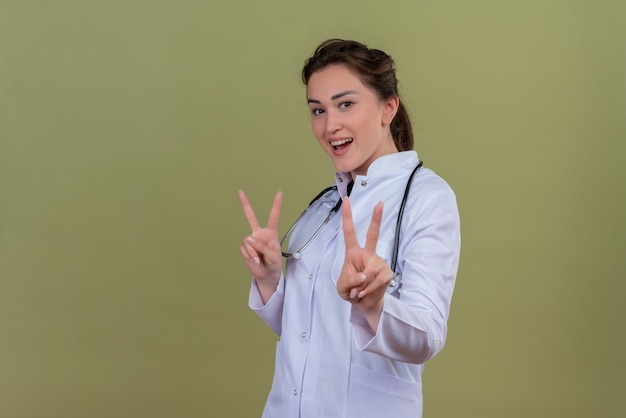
pixel 296 256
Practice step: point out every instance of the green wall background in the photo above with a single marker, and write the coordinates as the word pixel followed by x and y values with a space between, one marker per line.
pixel 127 127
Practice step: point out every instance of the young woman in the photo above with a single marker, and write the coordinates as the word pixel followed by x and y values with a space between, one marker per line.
pixel 365 296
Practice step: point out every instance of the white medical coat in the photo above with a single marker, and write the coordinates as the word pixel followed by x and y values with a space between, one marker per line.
pixel 329 362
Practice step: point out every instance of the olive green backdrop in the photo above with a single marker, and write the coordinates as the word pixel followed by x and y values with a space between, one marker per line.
pixel 127 127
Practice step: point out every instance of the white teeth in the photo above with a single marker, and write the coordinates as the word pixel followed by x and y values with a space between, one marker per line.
pixel 340 142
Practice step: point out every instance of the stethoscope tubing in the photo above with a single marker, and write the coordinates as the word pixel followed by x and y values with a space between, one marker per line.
pixel 396 283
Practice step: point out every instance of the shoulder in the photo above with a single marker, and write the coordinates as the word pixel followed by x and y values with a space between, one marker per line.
pixel 431 196
pixel 428 182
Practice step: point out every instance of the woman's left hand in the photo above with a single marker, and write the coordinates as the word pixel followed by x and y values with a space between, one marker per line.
pixel 365 275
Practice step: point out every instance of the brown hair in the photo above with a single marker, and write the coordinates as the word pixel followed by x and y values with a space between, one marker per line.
pixel 375 69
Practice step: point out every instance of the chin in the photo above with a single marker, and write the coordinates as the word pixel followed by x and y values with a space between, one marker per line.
pixel 343 168
pixel 344 164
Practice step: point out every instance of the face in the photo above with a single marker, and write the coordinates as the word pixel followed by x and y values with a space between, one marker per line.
pixel 349 120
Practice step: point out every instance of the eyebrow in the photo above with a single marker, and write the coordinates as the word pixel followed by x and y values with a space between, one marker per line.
pixel 334 97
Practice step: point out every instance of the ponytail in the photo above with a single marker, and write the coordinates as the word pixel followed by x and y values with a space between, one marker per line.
pixel 401 130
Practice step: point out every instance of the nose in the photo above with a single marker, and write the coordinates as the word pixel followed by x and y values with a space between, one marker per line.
pixel 333 122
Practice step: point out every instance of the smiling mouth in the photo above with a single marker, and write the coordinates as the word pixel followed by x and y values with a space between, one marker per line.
pixel 338 143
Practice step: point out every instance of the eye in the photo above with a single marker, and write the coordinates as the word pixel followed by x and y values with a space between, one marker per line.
pixel 345 105
pixel 317 112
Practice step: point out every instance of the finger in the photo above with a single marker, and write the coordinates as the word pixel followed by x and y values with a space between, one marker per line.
pixel 357 291
pixel 348 286
pixel 269 251
pixel 380 276
pixel 248 256
pixel 374 267
pixel 272 222
pixel 373 231
pixel 349 232
pixel 248 211
pixel 249 247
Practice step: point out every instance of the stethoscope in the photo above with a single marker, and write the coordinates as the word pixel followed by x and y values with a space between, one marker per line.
pixel 395 284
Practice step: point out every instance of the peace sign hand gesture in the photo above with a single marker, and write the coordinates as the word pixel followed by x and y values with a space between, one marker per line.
pixel 261 250
pixel 365 275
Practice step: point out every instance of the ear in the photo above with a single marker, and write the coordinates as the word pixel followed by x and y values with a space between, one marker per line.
pixel 390 108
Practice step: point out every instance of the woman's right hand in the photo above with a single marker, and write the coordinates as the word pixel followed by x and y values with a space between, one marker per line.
pixel 261 249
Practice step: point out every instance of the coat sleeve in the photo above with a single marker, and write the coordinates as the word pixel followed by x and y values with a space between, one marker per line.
pixel 413 327
pixel 272 311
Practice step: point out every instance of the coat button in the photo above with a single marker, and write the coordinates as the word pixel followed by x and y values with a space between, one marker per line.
pixel 363 183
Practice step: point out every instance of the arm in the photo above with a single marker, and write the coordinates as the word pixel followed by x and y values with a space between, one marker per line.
pixel 262 254
pixel 413 328
pixel 270 311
